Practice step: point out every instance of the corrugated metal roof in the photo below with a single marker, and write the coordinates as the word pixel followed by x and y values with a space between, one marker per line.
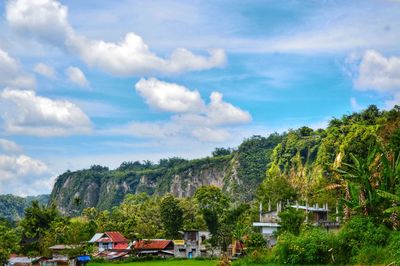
pixel 121 246
pixel 152 244
pixel 104 240
pixel 116 237
pixel 14 260
pixel 96 237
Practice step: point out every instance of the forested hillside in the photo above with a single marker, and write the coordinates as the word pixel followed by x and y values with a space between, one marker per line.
pixel 302 157
pixel 12 207
pixel 237 172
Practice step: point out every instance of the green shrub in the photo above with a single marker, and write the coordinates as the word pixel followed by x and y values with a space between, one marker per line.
pixel 312 246
pixel 359 233
pixel 393 248
pixel 370 255
pixel 256 257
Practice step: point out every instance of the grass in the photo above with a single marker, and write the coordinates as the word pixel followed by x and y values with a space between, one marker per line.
pixel 167 262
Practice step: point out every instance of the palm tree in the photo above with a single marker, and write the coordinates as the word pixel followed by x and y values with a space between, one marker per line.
pixel 394 210
pixel 359 181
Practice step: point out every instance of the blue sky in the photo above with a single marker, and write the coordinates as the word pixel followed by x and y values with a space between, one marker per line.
pixel 102 82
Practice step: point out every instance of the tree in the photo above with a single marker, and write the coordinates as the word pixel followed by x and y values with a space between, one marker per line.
pixel 360 178
pixel 221 152
pixel 291 220
pixel 212 203
pixel 275 188
pixel 37 221
pixel 171 216
pixel 9 238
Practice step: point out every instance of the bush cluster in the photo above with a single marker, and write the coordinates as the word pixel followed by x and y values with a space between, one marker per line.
pixel 360 242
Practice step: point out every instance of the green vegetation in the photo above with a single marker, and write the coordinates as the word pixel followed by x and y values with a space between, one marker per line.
pixel 165 262
pixel 12 207
pixel 353 165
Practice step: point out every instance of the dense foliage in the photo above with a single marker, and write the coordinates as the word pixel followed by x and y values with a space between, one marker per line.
pixel 12 207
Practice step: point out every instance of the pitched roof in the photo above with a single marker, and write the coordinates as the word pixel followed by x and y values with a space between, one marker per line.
pixel 152 244
pixel 116 237
pixel 109 237
pixel 96 237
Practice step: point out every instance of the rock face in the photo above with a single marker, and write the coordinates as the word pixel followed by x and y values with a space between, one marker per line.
pixel 103 188
pixel 238 173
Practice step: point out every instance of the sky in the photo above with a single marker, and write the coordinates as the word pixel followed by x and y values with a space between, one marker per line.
pixel 102 82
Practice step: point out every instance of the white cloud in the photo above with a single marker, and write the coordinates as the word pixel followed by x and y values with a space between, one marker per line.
pixel 372 71
pixel 223 113
pixel 44 70
pixel 193 118
pixel 170 97
pixel 177 98
pixel 42 19
pixel 76 76
pixel 11 73
pixel 47 20
pixel 132 56
pixel 207 134
pixel 22 175
pixel 9 146
pixel 29 114
pixel 379 73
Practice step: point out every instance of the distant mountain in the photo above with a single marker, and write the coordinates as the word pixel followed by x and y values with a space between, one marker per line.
pixel 12 207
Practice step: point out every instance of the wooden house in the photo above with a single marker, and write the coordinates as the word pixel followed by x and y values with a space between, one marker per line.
pixel 156 247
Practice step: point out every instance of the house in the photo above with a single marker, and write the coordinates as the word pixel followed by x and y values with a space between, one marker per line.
pixel 59 260
pixel 318 215
pixel 157 247
pixel 111 245
pixel 110 241
pixel 192 245
pixel 268 223
pixel 15 260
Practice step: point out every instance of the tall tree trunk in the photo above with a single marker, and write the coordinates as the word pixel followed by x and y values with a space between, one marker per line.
pixel 363 202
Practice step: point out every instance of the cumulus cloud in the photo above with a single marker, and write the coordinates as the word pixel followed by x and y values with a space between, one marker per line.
pixel 222 113
pixel 11 73
pixel 379 73
pixel 372 71
pixel 76 76
pixel 29 114
pixel 47 20
pixel 179 99
pixel 24 175
pixel 8 146
pixel 210 122
pixel 21 174
pixel 44 70
pixel 169 97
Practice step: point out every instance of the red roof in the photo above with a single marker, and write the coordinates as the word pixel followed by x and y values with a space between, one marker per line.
pixel 152 244
pixel 121 246
pixel 116 237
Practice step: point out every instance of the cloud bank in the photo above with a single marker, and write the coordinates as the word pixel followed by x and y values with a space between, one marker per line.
pixel 28 114
pixel 47 21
